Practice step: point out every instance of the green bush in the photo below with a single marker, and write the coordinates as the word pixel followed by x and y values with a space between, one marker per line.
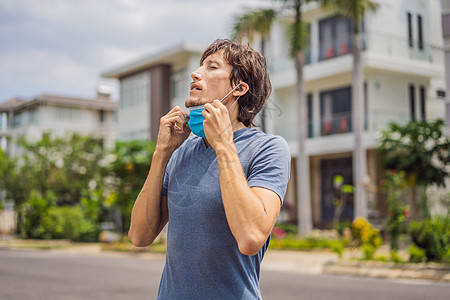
pixel 341 226
pixel 309 243
pixel 338 247
pixel 447 257
pixel 289 228
pixel 433 236
pixel 416 255
pixel 368 251
pixel 40 219
pixel 30 216
pixel 67 222
pixel 395 257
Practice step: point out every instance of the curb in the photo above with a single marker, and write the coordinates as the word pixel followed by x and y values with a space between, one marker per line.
pixel 427 271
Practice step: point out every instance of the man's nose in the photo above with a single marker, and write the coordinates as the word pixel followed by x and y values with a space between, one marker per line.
pixel 196 75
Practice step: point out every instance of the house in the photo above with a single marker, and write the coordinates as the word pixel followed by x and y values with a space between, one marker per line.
pixel 59 115
pixel 403 65
pixel 151 86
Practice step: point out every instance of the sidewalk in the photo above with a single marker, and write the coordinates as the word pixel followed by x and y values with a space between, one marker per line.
pixel 307 262
pixel 323 262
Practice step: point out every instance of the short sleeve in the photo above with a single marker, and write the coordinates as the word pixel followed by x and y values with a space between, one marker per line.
pixel 270 168
pixel 166 177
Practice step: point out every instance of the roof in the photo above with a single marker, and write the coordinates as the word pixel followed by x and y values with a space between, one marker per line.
pixel 173 55
pixel 93 103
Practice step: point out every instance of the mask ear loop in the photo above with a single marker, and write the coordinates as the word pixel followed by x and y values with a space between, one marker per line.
pixel 234 103
pixel 230 91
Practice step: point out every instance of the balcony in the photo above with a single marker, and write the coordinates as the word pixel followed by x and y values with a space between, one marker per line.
pixel 337 123
pixel 387 48
pixel 400 47
pixel 335 48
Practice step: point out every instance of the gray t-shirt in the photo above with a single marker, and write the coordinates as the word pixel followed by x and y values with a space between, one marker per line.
pixel 202 259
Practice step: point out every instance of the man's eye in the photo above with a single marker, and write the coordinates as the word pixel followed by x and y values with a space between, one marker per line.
pixel 212 67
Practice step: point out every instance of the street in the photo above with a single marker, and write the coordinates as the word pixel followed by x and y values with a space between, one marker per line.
pixel 31 274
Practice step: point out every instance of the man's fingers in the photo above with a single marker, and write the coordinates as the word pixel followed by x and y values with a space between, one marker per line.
pixel 181 114
pixel 177 121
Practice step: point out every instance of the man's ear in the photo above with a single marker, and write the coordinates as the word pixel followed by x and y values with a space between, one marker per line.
pixel 241 90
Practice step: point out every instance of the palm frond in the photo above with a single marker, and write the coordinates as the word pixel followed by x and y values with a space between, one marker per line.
pixel 258 22
pixel 352 9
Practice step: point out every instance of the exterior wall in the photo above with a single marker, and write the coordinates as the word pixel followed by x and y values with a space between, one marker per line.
pixel 134 115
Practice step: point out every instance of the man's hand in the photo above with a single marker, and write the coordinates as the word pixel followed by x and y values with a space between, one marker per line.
pixel 217 125
pixel 173 130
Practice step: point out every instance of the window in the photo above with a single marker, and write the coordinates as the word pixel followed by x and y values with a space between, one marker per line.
pixel 33 115
pixel 179 84
pixel 309 100
pixel 67 113
pixel 419 32
pixel 16 119
pixel 335 111
pixel 412 101
pixel 101 115
pixel 410 31
pixel 335 37
pixel 134 90
pixel 423 105
pixel 307 51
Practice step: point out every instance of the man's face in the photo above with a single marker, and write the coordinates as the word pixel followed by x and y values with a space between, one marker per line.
pixel 211 81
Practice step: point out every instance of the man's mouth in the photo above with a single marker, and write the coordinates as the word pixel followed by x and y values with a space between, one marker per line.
pixel 195 87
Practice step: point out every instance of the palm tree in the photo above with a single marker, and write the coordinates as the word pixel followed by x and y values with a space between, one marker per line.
pixel 259 22
pixel 355 10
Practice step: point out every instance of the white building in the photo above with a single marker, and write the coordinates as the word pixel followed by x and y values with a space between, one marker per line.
pixel 403 65
pixel 403 76
pixel 59 115
pixel 151 86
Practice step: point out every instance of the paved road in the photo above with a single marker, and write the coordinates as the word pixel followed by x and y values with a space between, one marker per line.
pixel 60 276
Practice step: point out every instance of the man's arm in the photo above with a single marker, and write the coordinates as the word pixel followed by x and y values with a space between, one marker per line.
pixel 150 212
pixel 251 212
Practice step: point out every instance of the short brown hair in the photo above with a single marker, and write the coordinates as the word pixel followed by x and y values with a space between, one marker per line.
pixel 250 67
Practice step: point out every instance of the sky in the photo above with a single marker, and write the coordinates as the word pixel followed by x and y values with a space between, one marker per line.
pixel 62 46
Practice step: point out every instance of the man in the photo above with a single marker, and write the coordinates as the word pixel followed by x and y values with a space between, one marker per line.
pixel 220 191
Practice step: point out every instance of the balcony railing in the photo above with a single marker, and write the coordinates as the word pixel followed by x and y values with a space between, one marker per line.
pixel 401 47
pixel 374 42
pixel 338 47
pixel 337 123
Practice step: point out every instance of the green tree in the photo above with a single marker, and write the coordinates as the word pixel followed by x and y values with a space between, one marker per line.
pixel 393 184
pixel 10 180
pixel 419 149
pixel 128 172
pixel 259 22
pixel 355 10
pixel 52 173
pixel 68 167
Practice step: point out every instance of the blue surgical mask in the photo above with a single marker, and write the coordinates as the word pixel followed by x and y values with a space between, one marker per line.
pixel 196 118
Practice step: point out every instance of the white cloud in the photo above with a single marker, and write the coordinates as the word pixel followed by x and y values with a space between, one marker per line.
pixel 63 46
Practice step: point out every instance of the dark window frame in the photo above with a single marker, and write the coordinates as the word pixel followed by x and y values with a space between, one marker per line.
pixel 423 107
pixel 339 45
pixel 341 121
pixel 309 101
pixel 410 30
pixel 419 32
pixel 412 101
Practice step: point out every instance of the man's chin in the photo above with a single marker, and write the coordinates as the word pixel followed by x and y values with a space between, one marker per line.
pixel 193 102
